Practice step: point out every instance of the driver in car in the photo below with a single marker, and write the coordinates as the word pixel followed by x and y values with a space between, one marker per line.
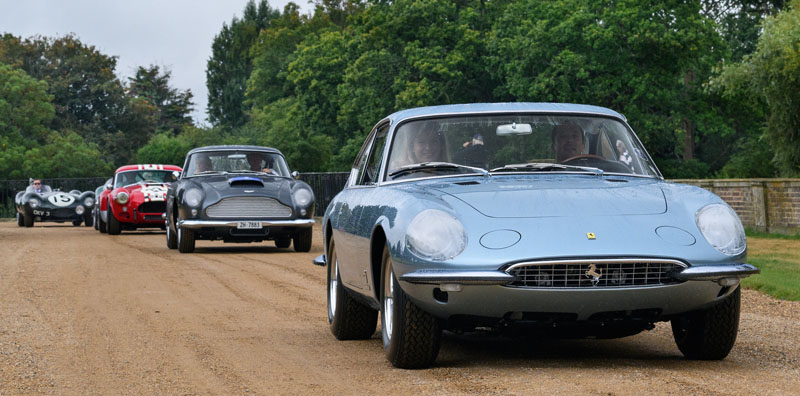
pixel 567 141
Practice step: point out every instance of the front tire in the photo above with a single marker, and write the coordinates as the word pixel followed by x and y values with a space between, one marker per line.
pixel 349 319
pixel 709 334
pixel 102 226
pixel 172 240
pixel 185 240
pixel 302 240
pixel 28 221
pixel 88 220
pixel 20 220
pixel 76 223
pixel 411 336
pixel 113 224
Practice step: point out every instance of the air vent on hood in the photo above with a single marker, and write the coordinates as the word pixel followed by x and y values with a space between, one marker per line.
pixel 245 181
pixel 467 183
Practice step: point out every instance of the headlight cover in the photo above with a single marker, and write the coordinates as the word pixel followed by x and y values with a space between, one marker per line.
pixel 33 202
pixel 88 202
pixel 122 197
pixel 193 197
pixel 302 196
pixel 722 228
pixel 436 235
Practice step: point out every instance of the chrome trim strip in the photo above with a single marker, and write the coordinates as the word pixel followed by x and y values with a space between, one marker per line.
pixel 191 224
pixel 435 277
pixel 598 261
pixel 717 272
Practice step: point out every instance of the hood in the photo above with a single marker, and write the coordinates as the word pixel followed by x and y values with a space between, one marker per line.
pixel 245 182
pixel 149 191
pixel 559 196
pixel 220 186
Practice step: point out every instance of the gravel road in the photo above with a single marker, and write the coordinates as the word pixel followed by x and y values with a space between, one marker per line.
pixel 83 313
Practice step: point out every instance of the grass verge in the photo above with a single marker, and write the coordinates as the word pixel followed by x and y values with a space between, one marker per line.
pixel 778 257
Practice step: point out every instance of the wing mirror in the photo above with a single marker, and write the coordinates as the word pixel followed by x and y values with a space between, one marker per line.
pixel 513 129
pixel 176 175
pixel 296 175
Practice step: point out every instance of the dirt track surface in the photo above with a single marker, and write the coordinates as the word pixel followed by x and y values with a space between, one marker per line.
pixel 83 313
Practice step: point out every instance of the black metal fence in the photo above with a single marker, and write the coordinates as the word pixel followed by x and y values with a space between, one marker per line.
pixel 325 185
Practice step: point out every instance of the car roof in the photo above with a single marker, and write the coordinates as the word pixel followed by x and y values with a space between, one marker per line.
pixel 126 168
pixel 510 107
pixel 234 147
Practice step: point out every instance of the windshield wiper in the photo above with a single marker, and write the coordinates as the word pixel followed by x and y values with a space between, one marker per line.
pixel 546 167
pixel 425 166
pixel 208 172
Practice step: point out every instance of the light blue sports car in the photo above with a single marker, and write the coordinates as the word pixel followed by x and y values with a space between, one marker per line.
pixel 525 219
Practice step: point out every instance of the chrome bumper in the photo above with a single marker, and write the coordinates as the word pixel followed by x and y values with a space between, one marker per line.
pixel 717 272
pixel 436 277
pixel 192 224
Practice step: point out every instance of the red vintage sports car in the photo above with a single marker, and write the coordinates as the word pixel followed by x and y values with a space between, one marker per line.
pixel 135 198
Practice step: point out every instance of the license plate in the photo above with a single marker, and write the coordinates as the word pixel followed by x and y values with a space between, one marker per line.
pixel 41 213
pixel 249 225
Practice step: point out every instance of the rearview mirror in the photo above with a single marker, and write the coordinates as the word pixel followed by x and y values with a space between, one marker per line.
pixel 513 129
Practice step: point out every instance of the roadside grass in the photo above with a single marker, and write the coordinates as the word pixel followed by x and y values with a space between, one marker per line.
pixel 778 257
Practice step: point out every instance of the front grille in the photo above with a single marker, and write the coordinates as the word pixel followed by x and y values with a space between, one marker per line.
pixel 602 273
pixel 153 207
pixel 248 207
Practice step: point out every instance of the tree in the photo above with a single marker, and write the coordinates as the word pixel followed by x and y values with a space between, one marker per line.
pixel 25 107
pixel 172 107
pixel 230 64
pixel 772 73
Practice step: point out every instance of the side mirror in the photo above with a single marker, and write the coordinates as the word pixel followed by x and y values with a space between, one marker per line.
pixel 514 129
pixel 176 175
pixel 296 175
pixel 109 186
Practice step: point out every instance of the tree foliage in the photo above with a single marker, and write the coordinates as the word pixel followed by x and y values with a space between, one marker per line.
pixel 772 74
pixel 170 106
pixel 230 64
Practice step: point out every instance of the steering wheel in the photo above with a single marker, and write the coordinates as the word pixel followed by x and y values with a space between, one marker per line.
pixel 583 156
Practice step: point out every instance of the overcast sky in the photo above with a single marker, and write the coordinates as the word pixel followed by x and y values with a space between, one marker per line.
pixel 175 34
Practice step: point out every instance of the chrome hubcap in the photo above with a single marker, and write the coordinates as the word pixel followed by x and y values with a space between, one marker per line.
pixel 332 285
pixel 388 301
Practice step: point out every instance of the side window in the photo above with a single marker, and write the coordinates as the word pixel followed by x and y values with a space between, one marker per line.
pixel 374 160
pixel 356 174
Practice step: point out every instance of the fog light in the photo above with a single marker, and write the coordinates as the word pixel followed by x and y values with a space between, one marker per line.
pixel 79 209
pixel 124 208
pixel 302 212
pixel 450 287
pixel 194 212
pixel 732 281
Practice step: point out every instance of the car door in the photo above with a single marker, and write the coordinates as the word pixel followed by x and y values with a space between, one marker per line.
pixel 351 233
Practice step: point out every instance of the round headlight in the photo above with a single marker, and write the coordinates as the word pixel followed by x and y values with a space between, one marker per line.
pixel 193 197
pixel 436 235
pixel 88 202
pixel 122 197
pixel 79 209
pixel 302 196
pixel 33 202
pixel 722 228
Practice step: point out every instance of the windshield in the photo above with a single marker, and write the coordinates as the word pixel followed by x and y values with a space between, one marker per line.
pixel 143 176
pixel 516 143
pixel 238 161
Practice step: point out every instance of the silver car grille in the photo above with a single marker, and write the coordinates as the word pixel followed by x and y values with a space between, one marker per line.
pixel 248 207
pixel 602 273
